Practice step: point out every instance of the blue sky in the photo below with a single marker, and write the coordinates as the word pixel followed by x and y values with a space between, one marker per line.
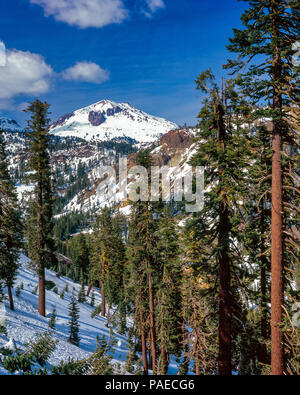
pixel 145 52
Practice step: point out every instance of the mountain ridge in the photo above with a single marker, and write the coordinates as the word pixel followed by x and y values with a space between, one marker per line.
pixel 9 124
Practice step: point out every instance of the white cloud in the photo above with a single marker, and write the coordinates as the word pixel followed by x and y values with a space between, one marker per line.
pixel 86 72
pixel 154 5
pixel 24 73
pixel 85 13
pixel 2 54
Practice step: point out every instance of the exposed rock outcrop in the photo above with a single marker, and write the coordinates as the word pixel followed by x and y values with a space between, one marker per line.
pixel 96 118
pixel 61 120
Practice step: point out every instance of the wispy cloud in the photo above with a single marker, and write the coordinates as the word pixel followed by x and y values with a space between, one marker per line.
pixel 85 13
pixel 154 5
pixel 24 73
pixel 86 72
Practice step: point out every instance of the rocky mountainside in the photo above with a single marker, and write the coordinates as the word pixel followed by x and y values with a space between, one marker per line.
pixel 76 160
pixel 173 149
pixel 106 120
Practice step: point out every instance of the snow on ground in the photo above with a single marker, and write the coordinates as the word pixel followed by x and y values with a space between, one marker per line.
pixel 119 120
pixel 25 322
pixel 23 190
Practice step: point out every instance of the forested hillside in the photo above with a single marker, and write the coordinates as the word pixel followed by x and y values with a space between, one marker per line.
pixel 146 286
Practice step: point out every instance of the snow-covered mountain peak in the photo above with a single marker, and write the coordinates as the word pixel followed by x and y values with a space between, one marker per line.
pixel 102 105
pixel 106 120
pixel 9 125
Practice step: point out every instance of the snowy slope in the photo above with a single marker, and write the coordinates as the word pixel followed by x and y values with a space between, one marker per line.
pixel 25 322
pixel 10 125
pixel 97 198
pixel 106 120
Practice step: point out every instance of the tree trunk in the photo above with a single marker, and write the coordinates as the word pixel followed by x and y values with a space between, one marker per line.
pixel 224 302
pixel 197 366
pixel 10 298
pixel 40 247
pixel 103 309
pixel 163 360
pixel 276 222
pixel 152 324
pixel 224 357
pixel 144 345
pixel 89 289
pixel 184 342
pixel 42 294
pixel 276 263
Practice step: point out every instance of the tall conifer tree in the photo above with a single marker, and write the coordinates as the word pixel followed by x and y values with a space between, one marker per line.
pixel 145 267
pixel 222 151
pixel 168 298
pixel 10 225
pixel 41 246
pixel 269 75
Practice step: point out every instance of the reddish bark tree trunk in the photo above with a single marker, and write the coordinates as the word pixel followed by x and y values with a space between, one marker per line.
pixel 103 309
pixel 276 285
pixel 144 345
pixel 276 222
pixel 10 298
pixel 42 294
pixel 276 263
pixel 197 366
pixel 89 289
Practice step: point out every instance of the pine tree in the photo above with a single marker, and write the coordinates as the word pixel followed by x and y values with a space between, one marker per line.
pixel 200 326
pixel 10 225
pixel 257 229
pixel 222 152
pixel 41 245
pixel 138 371
pixel 100 253
pixel 3 329
pixel 80 257
pixel 269 76
pixel 115 278
pixel 18 291
pixel 100 361
pixel 73 324
pixel 52 321
pixel 169 298
pixel 93 299
pixel 131 357
pixel 145 268
pixel 81 295
pixel 108 259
